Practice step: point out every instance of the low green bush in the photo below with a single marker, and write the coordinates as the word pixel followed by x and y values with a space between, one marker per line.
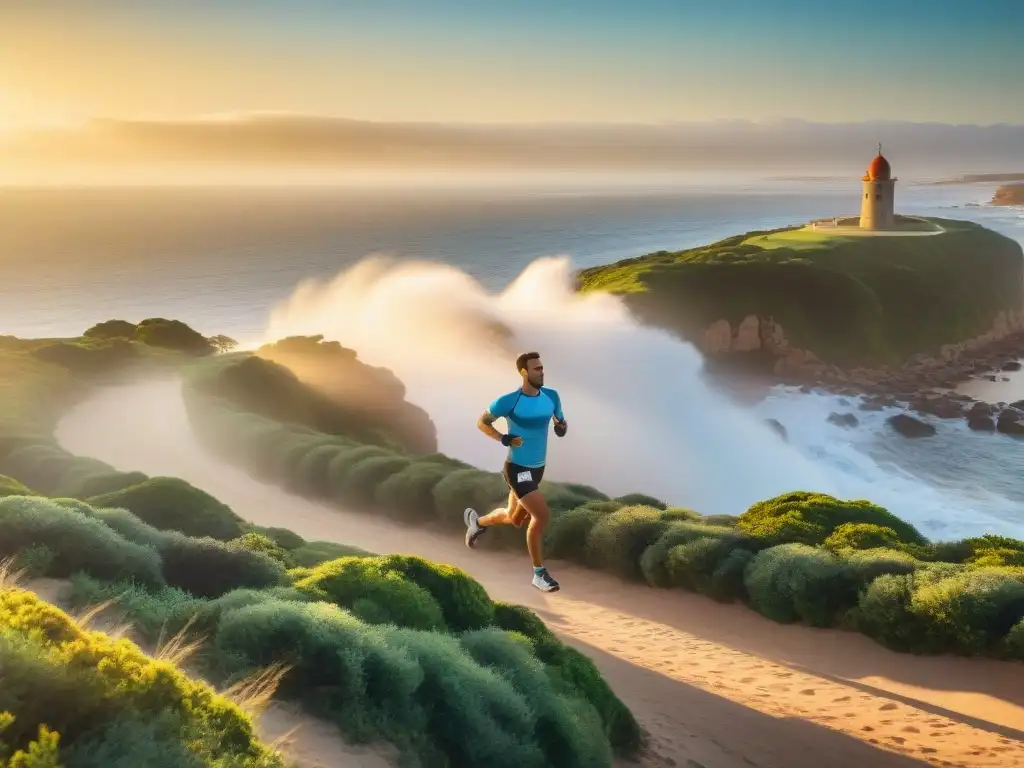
pixel 566 537
pixel 209 568
pixel 171 504
pixel 103 696
pixel 409 493
pixel 791 582
pixel 462 599
pixel 810 518
pixel 617 540
pixel 861 536
pixel 77 543
pixel 373 593
pixel 575 671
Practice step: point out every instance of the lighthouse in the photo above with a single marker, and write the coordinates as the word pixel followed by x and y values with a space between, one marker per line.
pixel 878 204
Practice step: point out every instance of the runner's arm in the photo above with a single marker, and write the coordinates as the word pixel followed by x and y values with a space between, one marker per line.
pixel 486 425
pixel 501 407
pixel 558 417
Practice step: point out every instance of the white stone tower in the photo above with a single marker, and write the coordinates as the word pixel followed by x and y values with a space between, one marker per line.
pixel 878 204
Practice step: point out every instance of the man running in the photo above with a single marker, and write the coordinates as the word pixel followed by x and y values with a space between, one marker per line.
pixel 527 411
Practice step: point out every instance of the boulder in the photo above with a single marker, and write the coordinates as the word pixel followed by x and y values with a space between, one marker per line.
pixel 1012 365
pixel 908 426
pixel 1010 421
pixel 843 419
pixel 980 421
pixel 943 407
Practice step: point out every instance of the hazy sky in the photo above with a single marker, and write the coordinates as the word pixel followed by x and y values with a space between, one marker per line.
pixel 516 61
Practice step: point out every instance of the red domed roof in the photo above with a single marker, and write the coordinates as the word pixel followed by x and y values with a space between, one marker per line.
pixel 879 169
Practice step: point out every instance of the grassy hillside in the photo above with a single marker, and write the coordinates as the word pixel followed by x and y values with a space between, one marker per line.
pixel 852 300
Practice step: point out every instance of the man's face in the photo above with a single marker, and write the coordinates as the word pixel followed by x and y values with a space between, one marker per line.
pixel 535 372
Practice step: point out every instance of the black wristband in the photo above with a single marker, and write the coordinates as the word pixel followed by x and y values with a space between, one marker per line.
pixel 506 440
pixel 560 428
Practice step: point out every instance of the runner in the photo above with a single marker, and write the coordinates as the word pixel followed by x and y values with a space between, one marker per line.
pixel 527 411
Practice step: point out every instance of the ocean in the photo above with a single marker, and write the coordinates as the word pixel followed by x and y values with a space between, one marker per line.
pixel 223 259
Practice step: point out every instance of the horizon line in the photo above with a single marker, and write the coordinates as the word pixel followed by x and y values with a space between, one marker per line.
pixel 257 115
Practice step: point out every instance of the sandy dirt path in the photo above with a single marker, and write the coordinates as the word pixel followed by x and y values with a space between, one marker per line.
pixel 714 685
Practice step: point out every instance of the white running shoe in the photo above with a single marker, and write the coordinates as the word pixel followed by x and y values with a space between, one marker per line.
pixel 545 582
pixel 473 529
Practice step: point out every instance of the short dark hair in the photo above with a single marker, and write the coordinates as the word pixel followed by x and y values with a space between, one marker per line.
pixel 524 358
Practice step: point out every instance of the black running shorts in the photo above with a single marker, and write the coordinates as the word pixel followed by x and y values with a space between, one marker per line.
pixel 522 480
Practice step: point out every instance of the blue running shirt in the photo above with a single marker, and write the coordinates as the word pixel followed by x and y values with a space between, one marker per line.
pixel 528 417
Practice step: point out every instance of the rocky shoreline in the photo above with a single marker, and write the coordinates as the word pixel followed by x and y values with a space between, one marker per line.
pixel 924 385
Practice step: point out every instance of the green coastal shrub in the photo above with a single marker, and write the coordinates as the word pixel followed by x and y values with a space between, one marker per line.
pixel 102 696
pixel 77 543
pixel 641 500
pixel 173 335
pixel 311 476
pixel 38 465
pixel 463 600
pixel 364 477
pixel 257 542
pixel 791 582
pixel 567 729
pixel 654 562
pixel 210 568
pixel 810 518
pixel 409 493
pixel 171 504
pixel 90 482
pixel 483 491
pixel 373 593
pixel 575 671
pixel 617 540
pixel 566 536
pixel 861 536
pixel 11 487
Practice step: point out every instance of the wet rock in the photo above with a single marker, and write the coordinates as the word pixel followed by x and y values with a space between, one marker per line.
pixel 1010 422
pixel 981 422
pixel 1012 365
pixel 908 426
pixel 777 426
pixel 843 419
pixel 943 407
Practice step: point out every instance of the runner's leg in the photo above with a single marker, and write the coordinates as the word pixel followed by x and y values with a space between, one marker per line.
pixel 537 507
pixel 503 515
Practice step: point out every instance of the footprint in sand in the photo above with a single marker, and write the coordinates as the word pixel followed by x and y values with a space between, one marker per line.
pixel 911 729
pixel 807 692
pixel 783 674
pixel 746 680
pixel 888 707
pixel 840 699
pixel 897 739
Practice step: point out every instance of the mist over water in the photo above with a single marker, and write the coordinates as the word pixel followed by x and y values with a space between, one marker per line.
pixel 641 416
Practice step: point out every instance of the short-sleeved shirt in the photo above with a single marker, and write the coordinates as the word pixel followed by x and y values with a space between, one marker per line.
pixel 528 417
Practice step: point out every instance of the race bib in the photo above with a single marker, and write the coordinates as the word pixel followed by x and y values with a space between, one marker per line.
pixel 524 477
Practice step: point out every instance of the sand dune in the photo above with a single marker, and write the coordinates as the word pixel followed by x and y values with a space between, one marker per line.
pixel 714 685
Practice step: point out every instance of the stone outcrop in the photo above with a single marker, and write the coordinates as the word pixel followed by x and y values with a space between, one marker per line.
pixel 952 363
pixel 908 426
